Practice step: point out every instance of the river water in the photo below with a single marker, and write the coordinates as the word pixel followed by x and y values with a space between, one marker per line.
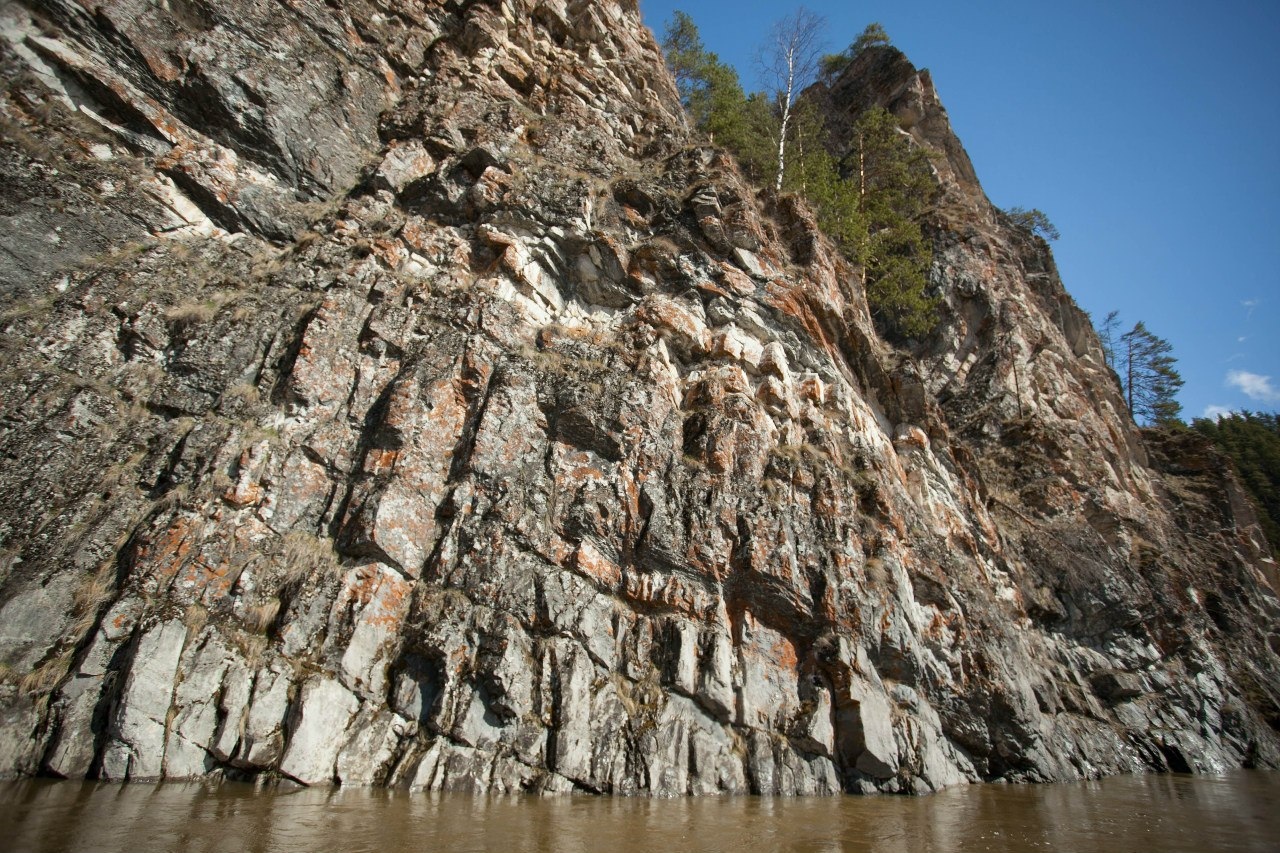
pixel 1240 811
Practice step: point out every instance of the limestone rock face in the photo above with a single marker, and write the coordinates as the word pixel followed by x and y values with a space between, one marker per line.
pixel 396 394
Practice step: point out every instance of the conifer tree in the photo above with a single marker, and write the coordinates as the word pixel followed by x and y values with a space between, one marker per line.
pixel 871 207
pixel 685 55
pixel 893 183
pixel 1107 336
pixel 833 63
pixel 873 36
pixel 1148 377
pixel 712 96
pixel 1033 220
pixel 1252 440
pixel 755 129
pixel 870 204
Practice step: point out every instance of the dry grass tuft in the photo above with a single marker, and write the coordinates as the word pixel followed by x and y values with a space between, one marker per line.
pixel 252 646
pixel 244 392
pixel 305 555
pixel 42 680
pixel 260 617
pixel 172 498
pixel 195 619
pixel 93 593
pixel 193 312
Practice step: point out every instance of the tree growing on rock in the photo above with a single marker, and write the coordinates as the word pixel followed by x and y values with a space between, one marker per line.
pixel 709 89
pixel 870 203
pixel 1107 336
pixel 1252 440
pixel 1033 220
pixel 713 98
pixel 685 55
pixel 833 63
pixel 893 182
pixel 1146 368
pixel 789 60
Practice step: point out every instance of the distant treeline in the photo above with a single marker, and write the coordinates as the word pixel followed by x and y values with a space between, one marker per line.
pixel 1252 440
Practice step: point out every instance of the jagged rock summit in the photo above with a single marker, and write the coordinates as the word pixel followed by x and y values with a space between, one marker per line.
pixel 395 393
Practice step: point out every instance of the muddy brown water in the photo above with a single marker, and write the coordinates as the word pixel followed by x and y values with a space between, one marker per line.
pixel 1239 811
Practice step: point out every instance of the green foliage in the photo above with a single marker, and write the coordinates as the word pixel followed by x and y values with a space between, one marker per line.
pixel 873 36
pixel 870 204
pixel 752 138
pixel 1252 440
pixel 1033 220
pixel 830 66
pixel 812 166
pixel 833 63
pixel 871 207
pixel 1148 378
pixel 715 102
pixel 685 54
pixel 894 185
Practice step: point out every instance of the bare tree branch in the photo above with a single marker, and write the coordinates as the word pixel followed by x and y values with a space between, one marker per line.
pixel 788 62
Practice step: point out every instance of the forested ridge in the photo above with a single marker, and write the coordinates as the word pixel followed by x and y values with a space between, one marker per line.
pixel 1252 440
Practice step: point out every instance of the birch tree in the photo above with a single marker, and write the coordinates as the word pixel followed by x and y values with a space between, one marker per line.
pixel 789 62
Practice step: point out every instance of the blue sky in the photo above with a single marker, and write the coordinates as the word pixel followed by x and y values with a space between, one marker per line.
pixel 1148 132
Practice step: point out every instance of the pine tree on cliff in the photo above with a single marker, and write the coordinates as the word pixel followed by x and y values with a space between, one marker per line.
pixel 685 55
pixel 833 63
pixel 1107 336
pixel 1148 377
pixel 713 97
pixel 893 184
pixel 1033 220
pixel 871 206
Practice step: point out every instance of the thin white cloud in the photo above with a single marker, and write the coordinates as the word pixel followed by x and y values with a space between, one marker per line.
pixel 1235 357
pixel 1242 339
pixel 1249 305
pixel 1254 385
pixel 1214 412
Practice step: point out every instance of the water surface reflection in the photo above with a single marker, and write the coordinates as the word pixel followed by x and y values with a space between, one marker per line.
pixel 1154 813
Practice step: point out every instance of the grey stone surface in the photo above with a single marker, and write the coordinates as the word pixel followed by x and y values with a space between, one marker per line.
pixel 135 747
pixel 325 710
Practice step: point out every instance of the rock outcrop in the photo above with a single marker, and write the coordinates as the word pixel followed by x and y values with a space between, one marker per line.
pixel 395 393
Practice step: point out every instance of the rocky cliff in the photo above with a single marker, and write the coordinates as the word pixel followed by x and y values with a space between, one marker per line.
pixel 395 393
